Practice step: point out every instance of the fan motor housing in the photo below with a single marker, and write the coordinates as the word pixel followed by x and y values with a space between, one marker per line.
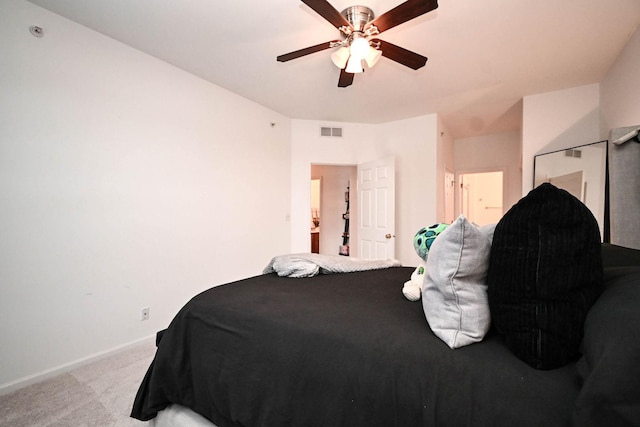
pixel 358 16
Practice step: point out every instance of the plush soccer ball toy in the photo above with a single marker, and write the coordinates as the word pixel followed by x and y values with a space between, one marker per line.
pixel 424 238
pixel 422 241
pixel 412 289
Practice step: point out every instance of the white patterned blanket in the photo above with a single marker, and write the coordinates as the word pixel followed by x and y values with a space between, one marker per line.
pixel 308 265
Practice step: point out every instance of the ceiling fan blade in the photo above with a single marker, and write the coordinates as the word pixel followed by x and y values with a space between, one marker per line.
pixel 306 51
pixel 345 78
pixel 401 55
pixel 402 13
pixel 328 12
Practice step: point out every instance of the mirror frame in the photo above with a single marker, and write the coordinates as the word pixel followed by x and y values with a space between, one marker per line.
pixel 568 165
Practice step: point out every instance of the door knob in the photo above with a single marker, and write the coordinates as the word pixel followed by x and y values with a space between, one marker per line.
pixel 389 235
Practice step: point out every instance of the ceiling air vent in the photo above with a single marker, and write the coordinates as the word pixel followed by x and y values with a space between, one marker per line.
pixel 327 131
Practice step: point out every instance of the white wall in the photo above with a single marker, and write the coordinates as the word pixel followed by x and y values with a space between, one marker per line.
pixel 413 143
pixel 445 160
pixel 620 103
pixel 495 152
pixel 124 182
pixel 308 148
pixel 556 120
pixel 576 116
pixel 571 117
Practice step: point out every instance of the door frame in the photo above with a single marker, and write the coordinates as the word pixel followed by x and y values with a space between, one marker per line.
pixel 331 235
pixel 458 182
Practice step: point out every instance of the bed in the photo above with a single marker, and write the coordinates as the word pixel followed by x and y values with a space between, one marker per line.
pixel 349 349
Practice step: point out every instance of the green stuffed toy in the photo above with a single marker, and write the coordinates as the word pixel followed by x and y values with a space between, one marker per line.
pixel 422 242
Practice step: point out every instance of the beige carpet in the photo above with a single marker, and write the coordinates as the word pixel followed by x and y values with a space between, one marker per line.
pixel 97 394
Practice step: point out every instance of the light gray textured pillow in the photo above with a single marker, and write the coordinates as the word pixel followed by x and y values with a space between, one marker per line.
pixel 454 295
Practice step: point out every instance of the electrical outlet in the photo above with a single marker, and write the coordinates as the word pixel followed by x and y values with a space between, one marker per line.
pixel 144 313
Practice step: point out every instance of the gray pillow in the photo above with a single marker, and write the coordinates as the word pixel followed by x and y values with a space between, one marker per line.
pixel 454 295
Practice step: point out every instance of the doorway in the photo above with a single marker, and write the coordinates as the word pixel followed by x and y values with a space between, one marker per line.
pixel 316 185
pixel 332 183
pixel 481 196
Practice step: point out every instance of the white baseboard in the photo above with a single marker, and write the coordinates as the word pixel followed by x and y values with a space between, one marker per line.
pixel 62 369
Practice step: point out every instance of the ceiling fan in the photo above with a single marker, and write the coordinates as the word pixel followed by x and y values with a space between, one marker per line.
pixel 359 29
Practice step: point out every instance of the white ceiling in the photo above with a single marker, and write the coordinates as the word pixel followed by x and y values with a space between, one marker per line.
pixel 484 56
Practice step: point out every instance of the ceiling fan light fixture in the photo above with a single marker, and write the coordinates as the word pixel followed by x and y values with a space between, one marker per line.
pixel 359 47
pixel 372 57
pixel 340 57
pixel 359 29
pixel 354 65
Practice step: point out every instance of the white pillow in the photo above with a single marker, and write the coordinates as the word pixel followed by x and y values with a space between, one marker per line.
pixel 454 295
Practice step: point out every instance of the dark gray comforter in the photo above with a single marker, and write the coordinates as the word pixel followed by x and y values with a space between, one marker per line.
pixel 340 350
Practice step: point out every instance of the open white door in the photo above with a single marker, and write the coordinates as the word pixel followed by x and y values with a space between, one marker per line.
pixel 376 213
pixel 449 196
pixel 482 195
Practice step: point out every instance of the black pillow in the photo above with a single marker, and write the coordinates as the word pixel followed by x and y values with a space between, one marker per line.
pixel 545 272
pixel 610 368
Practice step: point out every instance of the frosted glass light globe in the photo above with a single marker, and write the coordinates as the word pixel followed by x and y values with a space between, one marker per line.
pixel 360 48
pixel 354 65
pixel 340 57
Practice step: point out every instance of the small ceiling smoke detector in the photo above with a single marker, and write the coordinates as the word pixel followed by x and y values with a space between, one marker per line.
pixel 36 31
